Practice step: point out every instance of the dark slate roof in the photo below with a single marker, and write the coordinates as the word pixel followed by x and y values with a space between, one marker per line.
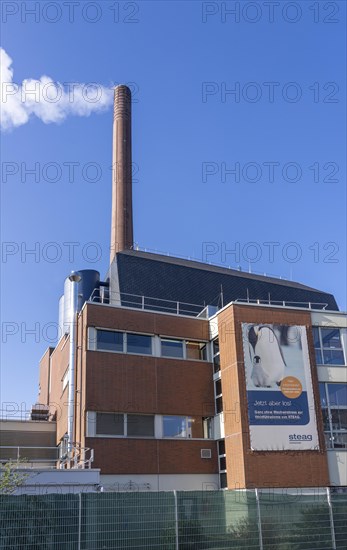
pixel 168 278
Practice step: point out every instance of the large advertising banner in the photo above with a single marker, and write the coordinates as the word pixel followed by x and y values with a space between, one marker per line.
pixel 279 388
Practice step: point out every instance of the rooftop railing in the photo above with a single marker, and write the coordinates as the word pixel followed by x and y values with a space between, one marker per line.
pixel 148 303
pixel 283 303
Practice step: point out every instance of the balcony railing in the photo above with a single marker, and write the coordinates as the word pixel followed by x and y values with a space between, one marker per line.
pixel 47 457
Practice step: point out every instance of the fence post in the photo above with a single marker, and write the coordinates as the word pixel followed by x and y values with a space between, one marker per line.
pixel 176 521
pixel 79 520
pixel 332 528
pixel 259 520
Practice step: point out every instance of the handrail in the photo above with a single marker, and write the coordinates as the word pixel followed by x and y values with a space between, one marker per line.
pixel 150 303
pixel 75 459
pixel 283 303
pixel 139 301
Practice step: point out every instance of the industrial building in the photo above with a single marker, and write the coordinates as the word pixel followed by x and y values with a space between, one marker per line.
pixel 185 376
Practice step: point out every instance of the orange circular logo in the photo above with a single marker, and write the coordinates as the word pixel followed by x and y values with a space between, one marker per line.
pixel 291 387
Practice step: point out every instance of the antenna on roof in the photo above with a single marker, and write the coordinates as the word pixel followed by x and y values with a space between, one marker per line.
pixel 221 295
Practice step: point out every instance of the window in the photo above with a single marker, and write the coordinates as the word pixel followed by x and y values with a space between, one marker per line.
pixel 207 427
pixel 328 346
pixel 174 426
pixel 171 348
pixel 223 480
pixel 218 395
pixel 141 425
pixel 221 447
pixel 196 350
pixel 132 425
pixel 139 343
pixel 216 355
pixel 109 340
pixel 334 408
pixel 222 464
pixel 65 379
pixel 109 424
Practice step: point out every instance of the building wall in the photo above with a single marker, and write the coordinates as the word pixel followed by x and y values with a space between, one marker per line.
pixel 44 377
pixel 152 456
pixel 58 399
pixel 247 468
pixel 116 382
pixel 126 383
pixel 162 482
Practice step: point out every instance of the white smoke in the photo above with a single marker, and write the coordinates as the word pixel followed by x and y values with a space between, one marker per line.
pixel 48 100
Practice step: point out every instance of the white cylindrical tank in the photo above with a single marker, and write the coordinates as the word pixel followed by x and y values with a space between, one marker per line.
pixel 62 328
pixel 90 279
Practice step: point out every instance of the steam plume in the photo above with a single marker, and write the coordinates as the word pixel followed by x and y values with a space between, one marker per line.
pixel 46 99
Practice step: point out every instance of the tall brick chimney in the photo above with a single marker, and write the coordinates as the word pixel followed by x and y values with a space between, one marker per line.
pixel 122 209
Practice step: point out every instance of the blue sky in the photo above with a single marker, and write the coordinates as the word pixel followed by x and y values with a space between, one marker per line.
pixel 189 133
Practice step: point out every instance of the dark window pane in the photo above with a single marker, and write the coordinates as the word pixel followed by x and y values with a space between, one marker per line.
pixel 216 363
pixel 222 463
pixel 196 350
pixel 215 346
pixel 140 424
pixel 172 348
pixel 333 357
pixel 219 405
pixel 218 385
pixel 174 426
pixel 139 343
pixel 223 481
pixel 109 424
pixel 331 338
pixel 315 331
pixel 109 340
pixel 221 447
pixel 337 395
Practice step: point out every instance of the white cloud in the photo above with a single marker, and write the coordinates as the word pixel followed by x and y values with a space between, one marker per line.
pixel 46 99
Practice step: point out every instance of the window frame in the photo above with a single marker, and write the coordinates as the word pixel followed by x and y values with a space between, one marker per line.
pixel 179 437
pixel 125 342
pixel 218 397
pixel 167 339
pixel 110 350
pixel 197 342
pixel 328 407
pixel 150 336
pixel 125 426
pixel 321 349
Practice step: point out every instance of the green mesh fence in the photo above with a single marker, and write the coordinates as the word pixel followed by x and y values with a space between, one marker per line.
pixel 295 521
pixel 39 521
pixel 339 510
pixel 215 520
pixel 127 520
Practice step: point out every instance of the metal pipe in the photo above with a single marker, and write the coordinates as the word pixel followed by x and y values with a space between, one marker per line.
pixel 74 278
